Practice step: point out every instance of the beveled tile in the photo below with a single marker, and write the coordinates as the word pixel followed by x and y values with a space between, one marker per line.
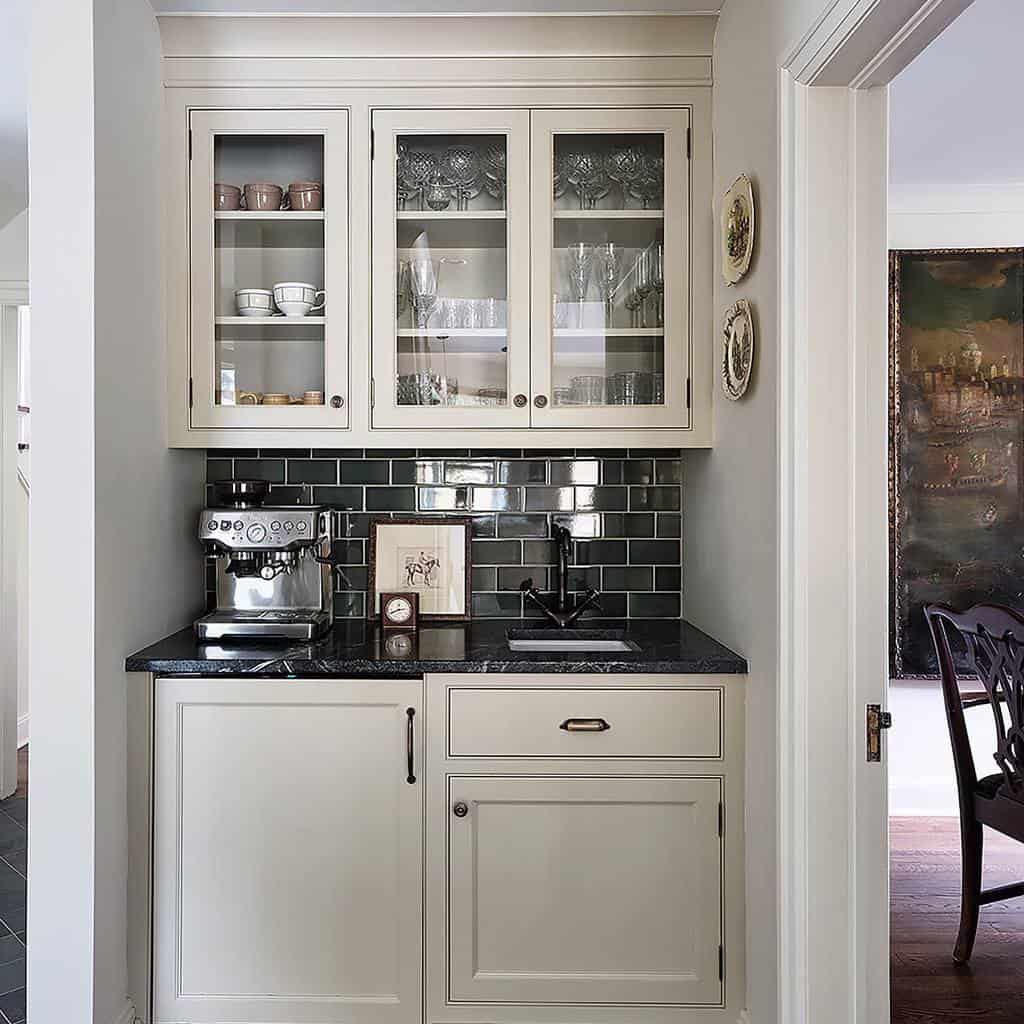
pixel 497 552
pixel 600 499
pixel 549 499
pixel 523 525
pixel 654 606
pixel 469 473
pixel 364 471
pixel 582 525
pixel 659 499
pixel 495 499
pixel 574 471
pixel 442 499
pixel 627 577
pixel 497 606
pixel 638 471
pixel 532 471
pixel 668 471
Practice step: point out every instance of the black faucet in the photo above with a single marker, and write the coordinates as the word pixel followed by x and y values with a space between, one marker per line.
pixel 562 615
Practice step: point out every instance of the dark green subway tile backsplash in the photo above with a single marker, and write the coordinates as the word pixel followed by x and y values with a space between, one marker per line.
pixel 622 506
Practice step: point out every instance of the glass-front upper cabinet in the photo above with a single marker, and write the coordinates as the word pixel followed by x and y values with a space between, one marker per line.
pixel 451 268
pixel 268 209
pixel 611 239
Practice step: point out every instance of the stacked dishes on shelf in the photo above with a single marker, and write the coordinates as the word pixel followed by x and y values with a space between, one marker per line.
pixel 266 197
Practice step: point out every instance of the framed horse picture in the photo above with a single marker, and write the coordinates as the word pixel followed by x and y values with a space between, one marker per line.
pixel 429 557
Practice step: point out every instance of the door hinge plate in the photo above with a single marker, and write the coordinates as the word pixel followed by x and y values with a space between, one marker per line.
pixel 875 721
pixel 373 393
pixel 688 390
pixel 190 143
pixel 689 136
pixel 721 963
pixel 190 392
pixel 373 144
pixel 721 819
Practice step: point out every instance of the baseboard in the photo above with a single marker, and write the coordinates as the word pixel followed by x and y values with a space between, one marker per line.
pixel 22 731
pixel 127 1015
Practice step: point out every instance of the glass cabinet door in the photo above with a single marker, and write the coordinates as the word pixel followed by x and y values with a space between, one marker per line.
pixel 268 211
pixel 451 268
pixel 611 317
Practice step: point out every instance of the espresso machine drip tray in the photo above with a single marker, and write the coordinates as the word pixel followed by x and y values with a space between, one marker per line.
pixel 270 624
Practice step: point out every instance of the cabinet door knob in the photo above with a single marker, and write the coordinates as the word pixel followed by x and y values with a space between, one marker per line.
pixel 460 810
pixel 540 401
pixel 519 401
pixel 337 401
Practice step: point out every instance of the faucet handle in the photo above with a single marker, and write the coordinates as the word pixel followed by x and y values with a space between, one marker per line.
pixel 526 585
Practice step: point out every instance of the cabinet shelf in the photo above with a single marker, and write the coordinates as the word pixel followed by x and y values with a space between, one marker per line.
pixel 450 215
pixel 451 332
pixel 257 215
pixel 609 215
pixel 609 332
pixel 269 321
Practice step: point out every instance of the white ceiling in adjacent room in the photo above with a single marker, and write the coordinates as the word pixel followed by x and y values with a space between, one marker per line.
pixel 13 107
pixel 953 111
pixel 436 6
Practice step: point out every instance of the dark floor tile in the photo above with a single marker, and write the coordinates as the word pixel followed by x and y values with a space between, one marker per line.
pixel 364 471
pixel 13 837
pixel 13 1006
pixel 12 974
pixel 18 860
pixel 11 948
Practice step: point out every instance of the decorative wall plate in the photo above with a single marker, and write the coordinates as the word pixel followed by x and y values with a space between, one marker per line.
pixel 737 350
pixel 737 229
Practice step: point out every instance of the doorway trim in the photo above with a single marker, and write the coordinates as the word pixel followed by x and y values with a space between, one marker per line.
pixel 833 564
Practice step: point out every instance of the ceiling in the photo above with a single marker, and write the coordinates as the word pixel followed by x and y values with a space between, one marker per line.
pixel 13 107
pixel 435 6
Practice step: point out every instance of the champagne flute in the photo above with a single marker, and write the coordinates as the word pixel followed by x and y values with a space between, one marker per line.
pixel 579 256
pixel 609 278
pixel 423 283
pixel 401 289
pixel 658 280
pixel 644 282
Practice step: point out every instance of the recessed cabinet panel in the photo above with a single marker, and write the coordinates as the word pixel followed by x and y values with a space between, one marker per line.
pixel 451 285
pixel 611 268
pixel 584 891
pixel 287 852
pixel 269 278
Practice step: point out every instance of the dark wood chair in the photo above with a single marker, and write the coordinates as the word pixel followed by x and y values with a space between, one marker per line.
pixel 993 647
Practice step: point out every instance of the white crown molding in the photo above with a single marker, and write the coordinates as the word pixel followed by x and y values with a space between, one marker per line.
pixel 955 216
pixel 462 36
pixel 171 13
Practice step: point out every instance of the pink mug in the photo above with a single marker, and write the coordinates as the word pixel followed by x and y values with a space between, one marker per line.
pixel 265 196
pixel 226 197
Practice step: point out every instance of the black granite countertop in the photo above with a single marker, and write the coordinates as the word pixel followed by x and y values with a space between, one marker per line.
pixel 355 649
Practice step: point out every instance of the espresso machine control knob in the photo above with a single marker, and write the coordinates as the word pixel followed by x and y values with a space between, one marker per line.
pixel 257 533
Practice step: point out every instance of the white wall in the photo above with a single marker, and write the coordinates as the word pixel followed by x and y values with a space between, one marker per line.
pixel 731 501
pixel 14 255
pixel 103 482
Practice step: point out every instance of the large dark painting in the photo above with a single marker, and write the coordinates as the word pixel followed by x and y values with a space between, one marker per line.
pixel 956 479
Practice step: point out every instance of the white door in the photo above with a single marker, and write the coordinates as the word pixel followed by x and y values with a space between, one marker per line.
pixel 287 852
pixel 584 891
pixel 451 268
pixel 611 268
pixel 269 369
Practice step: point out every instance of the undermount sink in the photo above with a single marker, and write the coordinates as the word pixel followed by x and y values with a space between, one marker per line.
pixel 553 641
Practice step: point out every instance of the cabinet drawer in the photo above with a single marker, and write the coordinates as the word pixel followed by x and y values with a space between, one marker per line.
pixel 577 722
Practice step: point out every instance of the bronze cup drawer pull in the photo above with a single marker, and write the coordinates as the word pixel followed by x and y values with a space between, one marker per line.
pixel 585 725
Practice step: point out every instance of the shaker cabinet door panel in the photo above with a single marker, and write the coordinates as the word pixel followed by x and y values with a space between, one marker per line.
pixel 268 254
pixel 451 284
pixel 584 891
pixel 611 268
pixel 287 853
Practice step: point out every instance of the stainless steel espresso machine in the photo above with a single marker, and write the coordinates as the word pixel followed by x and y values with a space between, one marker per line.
pixel 273 567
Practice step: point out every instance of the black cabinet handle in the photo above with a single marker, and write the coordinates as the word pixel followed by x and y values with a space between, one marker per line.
pixel 585 725
pixel 410 744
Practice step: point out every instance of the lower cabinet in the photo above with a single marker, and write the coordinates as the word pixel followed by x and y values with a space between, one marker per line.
pixel 584 890
pixel 287 859
pixel 387 852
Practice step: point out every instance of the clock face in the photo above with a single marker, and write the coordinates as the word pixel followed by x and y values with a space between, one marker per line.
pixel 398 609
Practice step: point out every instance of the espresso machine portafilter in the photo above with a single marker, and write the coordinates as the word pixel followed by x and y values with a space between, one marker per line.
pixel 273 566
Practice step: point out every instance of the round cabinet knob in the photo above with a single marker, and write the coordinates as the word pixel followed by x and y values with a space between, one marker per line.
pixel 540 401
pixel 257 533
pixel 337 401
pixel 460 810
pixel 519 401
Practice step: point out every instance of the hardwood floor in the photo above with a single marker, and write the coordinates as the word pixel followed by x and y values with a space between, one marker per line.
pixel 927 987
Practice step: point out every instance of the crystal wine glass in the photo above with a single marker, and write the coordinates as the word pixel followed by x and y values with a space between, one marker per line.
pixel 423 284
pixel 609 277
pixel 495 171
pixel 658 280
pixel 420 168
pixel 438 193
pixel 644 282
pixel 624 166
pixel 401 289
pixel 579 257
pixel 461 166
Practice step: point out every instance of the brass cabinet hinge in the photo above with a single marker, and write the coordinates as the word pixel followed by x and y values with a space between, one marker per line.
pixel 875 721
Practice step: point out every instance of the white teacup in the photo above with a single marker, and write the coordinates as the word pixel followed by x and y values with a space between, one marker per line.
pixel 254 302
pixel 296 298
